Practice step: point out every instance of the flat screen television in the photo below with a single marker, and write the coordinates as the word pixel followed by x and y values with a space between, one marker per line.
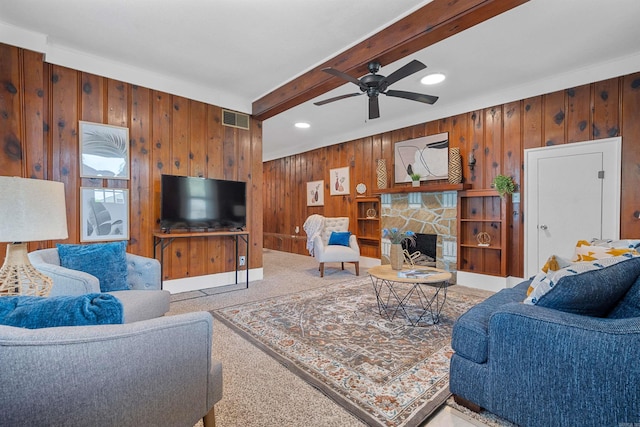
pixel 202 203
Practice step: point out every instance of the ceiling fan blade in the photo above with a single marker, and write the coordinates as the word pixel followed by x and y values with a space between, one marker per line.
pixel 374 108
pixel 337 98
pixel 405 71
pixel 342 75
pixel 427 99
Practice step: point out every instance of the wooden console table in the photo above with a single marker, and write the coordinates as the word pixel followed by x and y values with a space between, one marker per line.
pixel 162 239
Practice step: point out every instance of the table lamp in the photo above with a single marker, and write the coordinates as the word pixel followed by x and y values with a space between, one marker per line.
pixel 30 210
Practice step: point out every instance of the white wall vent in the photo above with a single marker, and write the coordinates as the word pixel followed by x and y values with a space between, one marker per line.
pixel 236 120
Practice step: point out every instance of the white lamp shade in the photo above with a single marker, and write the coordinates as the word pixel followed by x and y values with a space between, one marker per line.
pixel 32 210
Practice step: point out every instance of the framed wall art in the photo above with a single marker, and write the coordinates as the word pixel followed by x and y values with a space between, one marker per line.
pixel 104 151
pixel 104 214
pixel 339 181
pixel 315 193
pixel 427 156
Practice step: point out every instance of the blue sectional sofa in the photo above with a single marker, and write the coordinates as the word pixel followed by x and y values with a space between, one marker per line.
pixel 569 358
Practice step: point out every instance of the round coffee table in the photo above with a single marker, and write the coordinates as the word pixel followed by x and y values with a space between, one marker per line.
pixel 423 291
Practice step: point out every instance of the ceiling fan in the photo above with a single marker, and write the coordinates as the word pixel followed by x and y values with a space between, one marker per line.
pixel 374 84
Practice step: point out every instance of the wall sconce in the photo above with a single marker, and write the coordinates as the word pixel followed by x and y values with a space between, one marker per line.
pixel 472 160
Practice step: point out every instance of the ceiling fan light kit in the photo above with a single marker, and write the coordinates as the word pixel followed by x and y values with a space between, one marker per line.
pixel 375 84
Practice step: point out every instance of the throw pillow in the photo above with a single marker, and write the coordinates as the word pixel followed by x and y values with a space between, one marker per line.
pixel 627 243
pixel 599 249
pixel 340 238
pixel 554 263
pixel 587 288
pixel 47 312
pixel 106 261
pixel 629 306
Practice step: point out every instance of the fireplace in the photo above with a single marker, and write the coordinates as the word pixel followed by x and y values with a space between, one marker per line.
pixel 426 245
pixel 431 214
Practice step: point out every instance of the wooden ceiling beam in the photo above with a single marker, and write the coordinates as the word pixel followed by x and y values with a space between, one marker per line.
pixel 428 25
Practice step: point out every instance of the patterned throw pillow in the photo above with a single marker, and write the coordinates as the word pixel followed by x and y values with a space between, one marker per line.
pixel 627 243
pixel 599 249
pixel 587 288
pixel 554 263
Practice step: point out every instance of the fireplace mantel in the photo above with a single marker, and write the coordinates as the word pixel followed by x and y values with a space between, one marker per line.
pixel 426 188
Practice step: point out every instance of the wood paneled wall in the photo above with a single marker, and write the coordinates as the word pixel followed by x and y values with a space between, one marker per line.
pixel 497 135
pixel 40 106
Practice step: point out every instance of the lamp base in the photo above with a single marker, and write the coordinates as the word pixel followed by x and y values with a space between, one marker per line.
pixel 19 277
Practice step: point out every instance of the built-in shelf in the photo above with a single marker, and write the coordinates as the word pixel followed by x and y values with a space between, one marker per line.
pixel 435 187
pixel 483 211
pixel 368 225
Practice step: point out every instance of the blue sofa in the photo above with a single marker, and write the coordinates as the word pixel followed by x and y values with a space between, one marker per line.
pixel 555 363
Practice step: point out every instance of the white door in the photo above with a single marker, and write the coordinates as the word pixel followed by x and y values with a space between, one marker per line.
pixel 572 193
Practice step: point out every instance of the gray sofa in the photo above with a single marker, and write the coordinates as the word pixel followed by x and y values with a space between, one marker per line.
pixel 145 300
pixel 570 360
pixel 156 372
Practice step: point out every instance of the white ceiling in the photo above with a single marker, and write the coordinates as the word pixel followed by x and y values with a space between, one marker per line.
pixel 232 52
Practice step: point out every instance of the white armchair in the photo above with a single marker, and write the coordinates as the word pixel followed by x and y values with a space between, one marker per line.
pixel 324 252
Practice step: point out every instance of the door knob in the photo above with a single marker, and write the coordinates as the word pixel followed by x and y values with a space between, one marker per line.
pixel 542 227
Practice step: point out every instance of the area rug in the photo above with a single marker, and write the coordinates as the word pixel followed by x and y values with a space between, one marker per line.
pixel 387 373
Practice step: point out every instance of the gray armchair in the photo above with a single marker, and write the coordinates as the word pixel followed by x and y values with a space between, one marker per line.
pixel 145 300
pixel 156 372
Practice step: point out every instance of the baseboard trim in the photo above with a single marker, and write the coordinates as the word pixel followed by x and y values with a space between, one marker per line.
pixel 482 281
pixel 187 284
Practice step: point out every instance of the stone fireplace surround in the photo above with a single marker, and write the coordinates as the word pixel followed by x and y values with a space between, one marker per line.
pixel 428 213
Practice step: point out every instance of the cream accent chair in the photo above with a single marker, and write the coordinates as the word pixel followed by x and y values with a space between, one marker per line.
pixel 324 252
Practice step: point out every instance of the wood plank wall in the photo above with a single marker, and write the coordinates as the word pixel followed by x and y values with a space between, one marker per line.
pixel 40 106
pixel 497 135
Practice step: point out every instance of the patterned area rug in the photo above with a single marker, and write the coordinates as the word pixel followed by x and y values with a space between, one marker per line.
pixel 385 372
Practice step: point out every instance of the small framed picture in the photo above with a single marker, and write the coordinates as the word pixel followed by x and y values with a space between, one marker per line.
pixel 104 214
pixel 339 181
pixel 315 193
pixel 104 151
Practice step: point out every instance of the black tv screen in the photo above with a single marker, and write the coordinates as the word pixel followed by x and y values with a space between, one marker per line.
pixel 202 203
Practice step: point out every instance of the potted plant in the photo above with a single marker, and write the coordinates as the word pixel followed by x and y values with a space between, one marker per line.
pixel 504 185
pixel 415 179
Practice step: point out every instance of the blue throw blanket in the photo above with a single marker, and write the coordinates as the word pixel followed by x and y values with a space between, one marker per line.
pixel 46 312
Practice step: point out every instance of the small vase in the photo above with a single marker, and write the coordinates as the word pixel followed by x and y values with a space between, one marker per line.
pixel 381 173
pixel 396 257
pixel 455 166
pixel 415 183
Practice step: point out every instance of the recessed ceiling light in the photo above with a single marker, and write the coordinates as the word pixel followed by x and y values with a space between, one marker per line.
pixel 433 79
pixel 302 125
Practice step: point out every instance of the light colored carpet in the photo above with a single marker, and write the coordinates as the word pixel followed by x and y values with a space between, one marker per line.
pixel 258 391
pixel 384 371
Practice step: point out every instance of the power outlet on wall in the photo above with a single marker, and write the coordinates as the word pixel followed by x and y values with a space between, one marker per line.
pixel 242 260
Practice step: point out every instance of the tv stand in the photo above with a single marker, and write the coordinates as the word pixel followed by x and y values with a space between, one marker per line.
pixel 163 238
